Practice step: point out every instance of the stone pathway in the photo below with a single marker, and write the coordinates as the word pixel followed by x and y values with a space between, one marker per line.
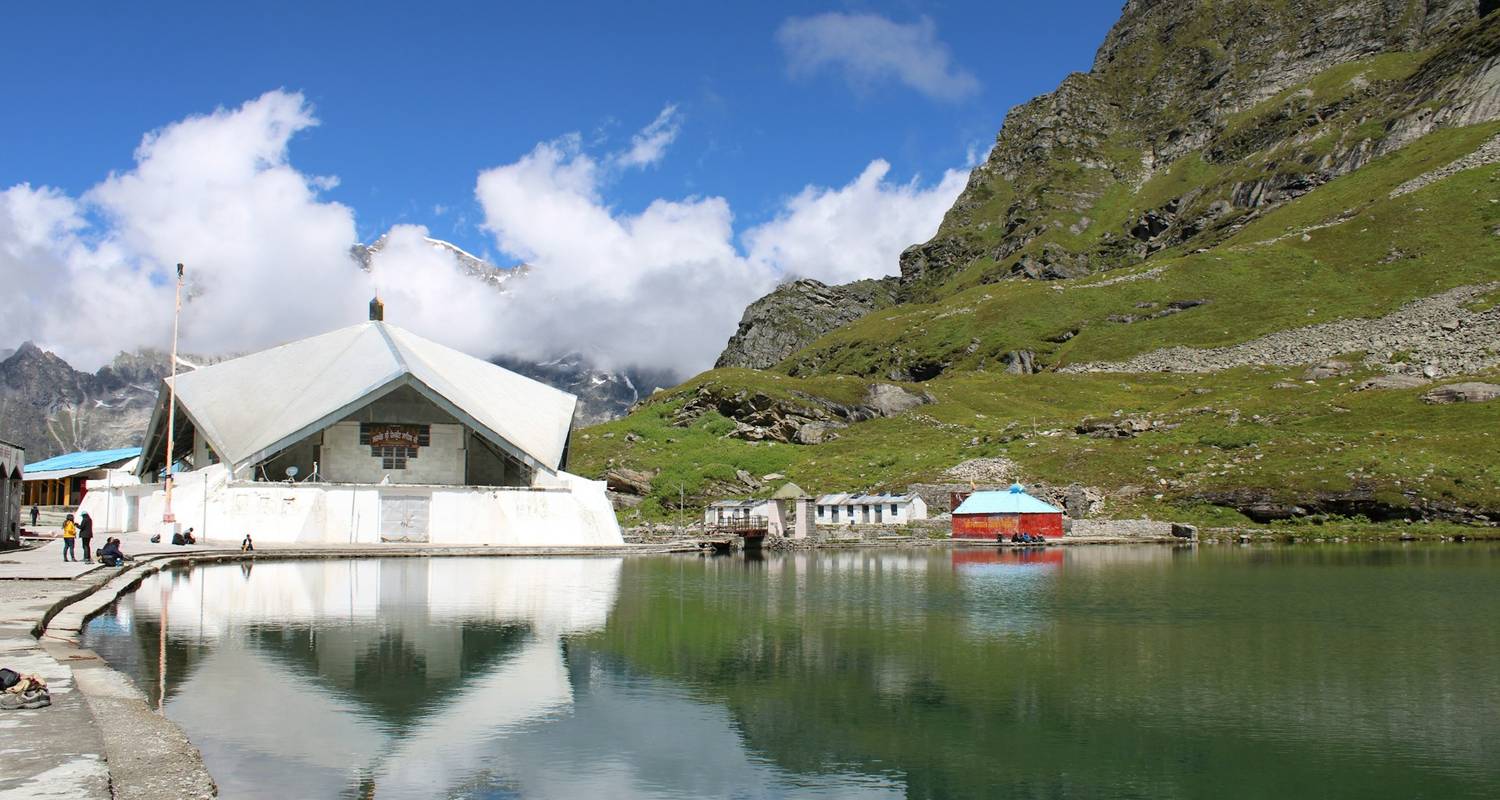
pixel 53 752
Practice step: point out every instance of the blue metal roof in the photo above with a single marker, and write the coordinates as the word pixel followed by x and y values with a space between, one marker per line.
pixel 85 460
pixel 1015 501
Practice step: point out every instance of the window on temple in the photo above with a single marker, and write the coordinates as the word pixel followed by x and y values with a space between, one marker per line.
pixel 394 444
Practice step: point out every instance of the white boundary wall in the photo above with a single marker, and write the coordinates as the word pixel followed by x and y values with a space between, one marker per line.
pixel 569 511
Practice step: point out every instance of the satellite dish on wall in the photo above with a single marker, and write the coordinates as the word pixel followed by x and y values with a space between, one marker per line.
pixel 291 472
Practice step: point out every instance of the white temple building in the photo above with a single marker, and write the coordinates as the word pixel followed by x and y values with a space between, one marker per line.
pixel 365 434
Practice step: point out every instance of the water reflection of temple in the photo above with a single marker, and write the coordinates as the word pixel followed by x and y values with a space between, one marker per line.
pixel 420 678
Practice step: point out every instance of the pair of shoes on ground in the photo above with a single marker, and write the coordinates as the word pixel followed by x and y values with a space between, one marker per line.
pixel 15 701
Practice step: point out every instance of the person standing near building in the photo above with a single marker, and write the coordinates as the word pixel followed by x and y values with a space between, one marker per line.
pixel 70 534
pixel 35 512
pixel 86 537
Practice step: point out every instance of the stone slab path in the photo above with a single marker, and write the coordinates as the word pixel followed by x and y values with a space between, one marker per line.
pixel 53 752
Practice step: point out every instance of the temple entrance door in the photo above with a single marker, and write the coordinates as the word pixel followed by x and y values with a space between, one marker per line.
pixel 403 518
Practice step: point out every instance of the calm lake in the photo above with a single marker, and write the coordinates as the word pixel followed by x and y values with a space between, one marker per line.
pixel 1142 671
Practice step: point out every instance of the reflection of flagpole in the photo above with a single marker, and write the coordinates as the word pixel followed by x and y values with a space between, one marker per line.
pixel 161 654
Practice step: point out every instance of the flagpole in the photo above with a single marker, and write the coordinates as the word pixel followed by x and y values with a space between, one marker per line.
pixel 167 518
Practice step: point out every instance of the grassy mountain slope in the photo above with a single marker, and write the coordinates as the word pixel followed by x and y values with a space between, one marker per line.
pixel 1189 192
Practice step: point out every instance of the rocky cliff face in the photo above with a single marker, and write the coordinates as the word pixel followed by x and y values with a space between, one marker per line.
pixel 1180 78
pixel 49 408
pixel 795 314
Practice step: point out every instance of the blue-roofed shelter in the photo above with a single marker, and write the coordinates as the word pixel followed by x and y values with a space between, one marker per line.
pixel 991 514
pixel 63 480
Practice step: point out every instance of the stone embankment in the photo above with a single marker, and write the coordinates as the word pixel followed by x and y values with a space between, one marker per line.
pixel 1435 336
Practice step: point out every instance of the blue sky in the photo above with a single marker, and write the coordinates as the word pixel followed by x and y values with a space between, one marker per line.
pixel 659 165
pixel 415 100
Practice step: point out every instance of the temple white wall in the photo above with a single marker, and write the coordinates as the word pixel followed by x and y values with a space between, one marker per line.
pixel 568 510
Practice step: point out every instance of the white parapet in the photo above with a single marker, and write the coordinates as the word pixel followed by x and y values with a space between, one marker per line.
pixel 564 510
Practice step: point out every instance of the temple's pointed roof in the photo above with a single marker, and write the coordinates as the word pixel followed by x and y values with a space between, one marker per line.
pixel 252 407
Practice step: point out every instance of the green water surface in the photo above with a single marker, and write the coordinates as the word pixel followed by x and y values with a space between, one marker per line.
pixel 1110 672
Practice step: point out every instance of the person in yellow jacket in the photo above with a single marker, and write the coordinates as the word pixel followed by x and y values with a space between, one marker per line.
pixel 70 535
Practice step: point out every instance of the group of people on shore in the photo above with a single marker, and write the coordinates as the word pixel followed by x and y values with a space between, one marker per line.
pixel 110 554
pixel 83 530
pixel 73 531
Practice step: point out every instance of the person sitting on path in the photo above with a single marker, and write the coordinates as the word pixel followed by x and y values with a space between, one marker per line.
pixel 247 545
pixel 70 533
pixel 110 554
pixel 187 538
pixel 86 537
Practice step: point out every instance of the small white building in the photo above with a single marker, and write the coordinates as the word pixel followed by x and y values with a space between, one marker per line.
pixel 365 434
pixel 724 512
pixel 870 509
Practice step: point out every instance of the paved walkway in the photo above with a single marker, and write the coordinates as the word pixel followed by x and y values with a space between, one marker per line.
pixel 53 752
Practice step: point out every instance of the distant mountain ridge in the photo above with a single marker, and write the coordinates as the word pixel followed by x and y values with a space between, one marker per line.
pixel 50 408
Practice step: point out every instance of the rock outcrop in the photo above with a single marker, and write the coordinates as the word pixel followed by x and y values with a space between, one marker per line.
pixel 1180 78
pixel 801 419
pixel 1468 392
pixel 795 314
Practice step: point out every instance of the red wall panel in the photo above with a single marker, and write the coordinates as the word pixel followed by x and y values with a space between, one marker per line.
pixel 988 526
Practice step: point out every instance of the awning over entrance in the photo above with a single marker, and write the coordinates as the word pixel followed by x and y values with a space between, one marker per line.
pixel 54 474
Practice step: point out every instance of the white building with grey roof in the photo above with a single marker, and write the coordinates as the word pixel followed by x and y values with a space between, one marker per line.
pixel 869 509
pixel 368 433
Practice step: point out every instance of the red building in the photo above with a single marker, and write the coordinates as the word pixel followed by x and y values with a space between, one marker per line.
pixel 988 515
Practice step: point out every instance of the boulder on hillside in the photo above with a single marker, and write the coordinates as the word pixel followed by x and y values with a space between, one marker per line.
pixel 818 432
pixel 1333 368
pixel 1470 392
pixel 1124 428
pixel 1392 382
pixel 889 400
pixel 628 481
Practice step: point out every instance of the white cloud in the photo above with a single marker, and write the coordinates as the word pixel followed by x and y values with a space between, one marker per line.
pixel 268 258
pixel 868 49
pixel 653 288
pixel 856 231
pixel 649 146
pixel 666 287
pixel 424 290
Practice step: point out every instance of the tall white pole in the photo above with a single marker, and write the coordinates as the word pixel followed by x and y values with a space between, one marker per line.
pixel 167 519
